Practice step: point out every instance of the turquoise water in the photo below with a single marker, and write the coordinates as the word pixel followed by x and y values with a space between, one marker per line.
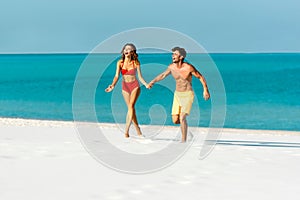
pixel 262 90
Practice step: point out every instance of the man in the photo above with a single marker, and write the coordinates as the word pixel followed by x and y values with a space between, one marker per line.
pixel 183 95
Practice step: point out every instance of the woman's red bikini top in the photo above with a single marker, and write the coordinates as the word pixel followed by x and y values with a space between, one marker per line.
pixel 128 72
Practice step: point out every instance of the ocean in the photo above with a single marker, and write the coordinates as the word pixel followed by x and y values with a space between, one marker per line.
pixel 262 90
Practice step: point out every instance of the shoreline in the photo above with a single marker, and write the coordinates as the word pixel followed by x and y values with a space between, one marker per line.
pixel 22 122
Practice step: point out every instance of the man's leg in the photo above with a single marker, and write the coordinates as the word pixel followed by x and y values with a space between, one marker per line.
pixel 175 110
pixel 175 119
pixel 183 126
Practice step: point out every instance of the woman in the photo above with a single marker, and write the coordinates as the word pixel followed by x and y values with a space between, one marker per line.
pixel 128 66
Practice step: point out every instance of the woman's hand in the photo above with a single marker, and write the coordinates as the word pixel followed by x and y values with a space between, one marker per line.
pixel 149 85
pixel 109 88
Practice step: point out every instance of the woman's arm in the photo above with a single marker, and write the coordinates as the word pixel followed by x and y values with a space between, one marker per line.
pixel 138 67
pixel 115 80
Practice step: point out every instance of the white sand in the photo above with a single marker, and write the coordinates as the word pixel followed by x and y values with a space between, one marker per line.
pixel 45 160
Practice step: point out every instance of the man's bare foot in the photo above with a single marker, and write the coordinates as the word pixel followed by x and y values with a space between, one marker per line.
pixel 127 135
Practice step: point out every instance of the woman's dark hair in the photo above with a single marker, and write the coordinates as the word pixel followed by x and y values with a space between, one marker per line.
pixel 134 55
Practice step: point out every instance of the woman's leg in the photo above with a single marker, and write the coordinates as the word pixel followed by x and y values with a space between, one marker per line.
pixel 127 99
pixel 126 96
pixel 130 100
pixel 136 124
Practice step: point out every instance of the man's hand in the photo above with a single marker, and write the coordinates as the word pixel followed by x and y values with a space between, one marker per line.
pixel 149 86
pixel 206 94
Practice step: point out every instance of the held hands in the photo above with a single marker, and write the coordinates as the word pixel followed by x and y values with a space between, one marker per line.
pixel 149 85
pixel 109 88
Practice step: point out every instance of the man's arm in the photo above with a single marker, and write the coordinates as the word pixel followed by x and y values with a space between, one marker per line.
pixel 160 77
pixel 198 75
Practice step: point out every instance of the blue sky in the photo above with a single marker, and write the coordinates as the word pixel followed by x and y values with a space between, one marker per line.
pixel 218 25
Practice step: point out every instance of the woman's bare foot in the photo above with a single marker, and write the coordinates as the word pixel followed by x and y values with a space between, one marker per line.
pixel 139 133
pixel 127 135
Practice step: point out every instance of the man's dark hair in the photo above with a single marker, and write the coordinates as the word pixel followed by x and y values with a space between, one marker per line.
pixel 181 51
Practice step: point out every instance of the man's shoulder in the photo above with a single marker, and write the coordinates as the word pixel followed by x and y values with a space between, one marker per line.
pixel 188 66
pixel 171 65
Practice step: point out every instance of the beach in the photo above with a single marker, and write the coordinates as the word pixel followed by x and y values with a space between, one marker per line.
pixel 42 159
pixel 73 74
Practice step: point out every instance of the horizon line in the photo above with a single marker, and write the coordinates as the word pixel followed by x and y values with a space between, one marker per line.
pixel 212 52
